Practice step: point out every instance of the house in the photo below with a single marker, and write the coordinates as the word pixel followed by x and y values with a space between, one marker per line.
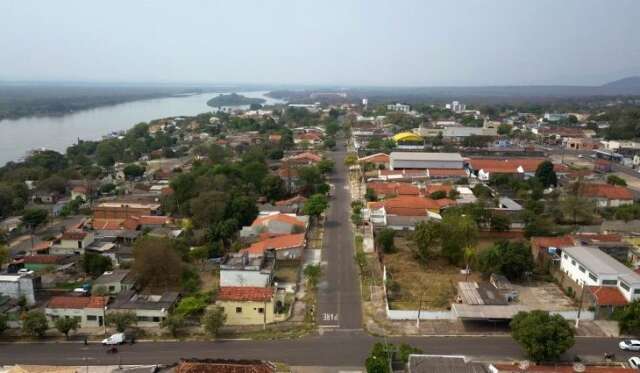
pixel 114 282
pixel 243 270
pixel 544 249
pixel 484 168
pixel 309 137
pixel 287 247
pixel 275 224
pixel 590 266
pixel 20 285
pixel 124 210
pixel 379 160
pixel 398 107
pixel 383 190
pixel 302 159
pixel 224 366
pixel 404 212
pixel 72 242
pixel 605 300
pixel 606 195
pixel 150 310
pixel 81 192
pixel 42 262
pixel 89 311
pixel 247 305
pixel 421 160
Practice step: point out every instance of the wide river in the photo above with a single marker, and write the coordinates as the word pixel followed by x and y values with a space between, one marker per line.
pixel 18 136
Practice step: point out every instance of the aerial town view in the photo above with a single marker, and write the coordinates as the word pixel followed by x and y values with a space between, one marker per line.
pixel 419 186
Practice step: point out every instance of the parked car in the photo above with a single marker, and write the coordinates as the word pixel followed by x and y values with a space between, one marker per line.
pixel 630 345
pixel 114 339
pixel 634 362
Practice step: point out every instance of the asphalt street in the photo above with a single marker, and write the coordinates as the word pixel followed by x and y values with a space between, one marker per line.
pixel 339 300
pixel 337 348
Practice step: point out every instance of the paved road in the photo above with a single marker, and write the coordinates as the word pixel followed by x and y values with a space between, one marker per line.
pixel 339 300
pixel 338 348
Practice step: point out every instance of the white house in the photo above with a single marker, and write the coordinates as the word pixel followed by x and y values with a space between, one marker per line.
pixel 18 286
pixel 72 242
pixel 89 311
pixel 243 270
pixel 591 266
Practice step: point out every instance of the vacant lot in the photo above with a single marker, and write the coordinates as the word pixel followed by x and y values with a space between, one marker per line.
pixel 411 280
pixel 544 296
pixel 287 273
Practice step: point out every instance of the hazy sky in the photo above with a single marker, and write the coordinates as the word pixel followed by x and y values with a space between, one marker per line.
pixel 395 42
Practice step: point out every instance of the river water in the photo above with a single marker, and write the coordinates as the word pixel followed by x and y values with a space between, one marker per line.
pixel 19 136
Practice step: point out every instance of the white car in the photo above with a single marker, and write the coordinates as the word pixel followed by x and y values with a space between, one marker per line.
pixel 634 362
pixel 115 339
pixel 630 345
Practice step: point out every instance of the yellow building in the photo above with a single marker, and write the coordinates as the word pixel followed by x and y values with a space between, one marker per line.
pixel 247 305
pixel 407 137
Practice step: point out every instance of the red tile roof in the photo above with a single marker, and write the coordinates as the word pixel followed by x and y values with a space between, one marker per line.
pixel 284 218
pixel 74 235
pixel 225 366
pixel 80 189
pixel 394 188
pixel 291 201
pixel 375 158
pixel 42 259
pixel 432 188
pixel 606 191
pixel 541 243
pixel 599 237
pixel 446 172
pixel 306 156
pixel 107 224
pixel 155 220
pixel 607 296
pixel 283 242
pixel 245 293
pixel 414 206
pixel 42 246
pixel 69 302
pixel 509 165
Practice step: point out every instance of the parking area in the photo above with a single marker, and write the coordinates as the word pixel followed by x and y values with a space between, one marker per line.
pixel 545 296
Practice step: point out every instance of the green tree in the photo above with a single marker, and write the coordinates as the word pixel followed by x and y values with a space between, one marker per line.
pixel 460 231
pixel 504 129
pixel 499 222
pixel 5 255
pixel 192 305
pixel 326 166
pixel 156 262
pixel 427 239
pixel 96 264
pixel 133 170
pixel 66 325
pixel 312 273
pixel 33 218
pixel 379 360
pixel 439 194
pixel 577 208
pixel 385 239
pixel 273 188
pixel 315 205
pixel 544 337
pixel 173 323
pixel 629 318
pixel 616 180
pixel 511 259
pixel 213 320
pixel 121 320
pixel 35 324
pixel 310 177
pixel 351 159
pixel 546 174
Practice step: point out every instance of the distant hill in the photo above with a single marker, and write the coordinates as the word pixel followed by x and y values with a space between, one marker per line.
pixel 630 85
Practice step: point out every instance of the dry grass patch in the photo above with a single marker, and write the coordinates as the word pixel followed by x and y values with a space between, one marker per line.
pixel 410 280
pixel 287 273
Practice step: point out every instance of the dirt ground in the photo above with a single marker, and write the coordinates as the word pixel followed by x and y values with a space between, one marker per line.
pixel 412 280
pixel 209 279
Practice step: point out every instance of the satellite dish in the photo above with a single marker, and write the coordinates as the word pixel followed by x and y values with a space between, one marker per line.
pixel 579 367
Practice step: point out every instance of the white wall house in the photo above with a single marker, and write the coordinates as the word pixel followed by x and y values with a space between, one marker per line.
pixel 241 270
pixel 591 266
pixel 17 286
pixel 73 242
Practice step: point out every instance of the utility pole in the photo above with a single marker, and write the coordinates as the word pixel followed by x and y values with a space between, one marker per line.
pixel 580 306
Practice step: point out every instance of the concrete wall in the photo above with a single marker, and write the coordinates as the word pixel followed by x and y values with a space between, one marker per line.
pixel 16 287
